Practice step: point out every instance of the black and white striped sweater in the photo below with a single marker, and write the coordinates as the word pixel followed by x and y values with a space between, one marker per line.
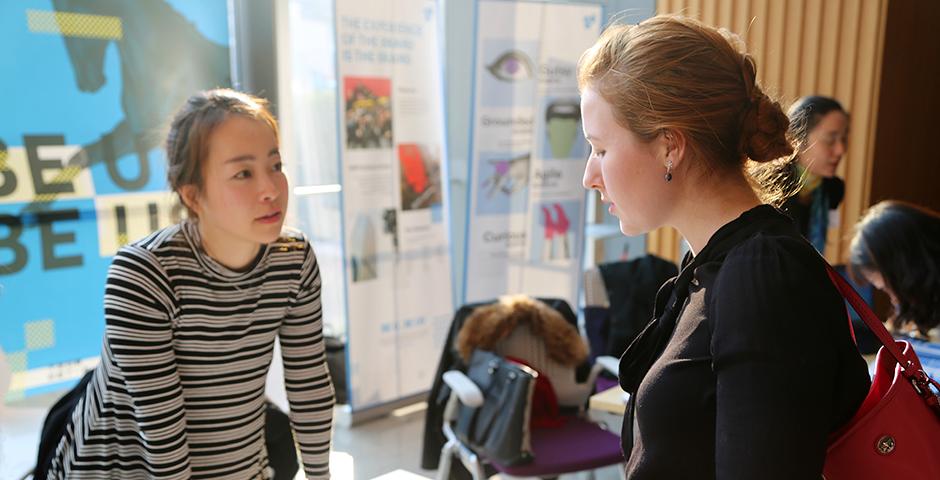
pixel 179 392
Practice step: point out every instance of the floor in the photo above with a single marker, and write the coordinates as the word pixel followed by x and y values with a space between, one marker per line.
pixel 388 448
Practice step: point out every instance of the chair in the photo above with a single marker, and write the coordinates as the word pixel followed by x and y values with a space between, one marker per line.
pixel 578 445
pixel 619 299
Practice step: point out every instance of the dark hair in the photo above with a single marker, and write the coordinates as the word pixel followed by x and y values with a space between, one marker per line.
pixel 187 143
pixel 901 241
pixel 806 113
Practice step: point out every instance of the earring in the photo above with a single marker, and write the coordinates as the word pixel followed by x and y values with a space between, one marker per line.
pixel 668 175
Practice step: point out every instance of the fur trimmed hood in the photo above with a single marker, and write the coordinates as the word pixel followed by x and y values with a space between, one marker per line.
pixel 489 324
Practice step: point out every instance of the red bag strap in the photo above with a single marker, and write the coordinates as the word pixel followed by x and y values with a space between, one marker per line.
pixel 867 315
pixel 910 364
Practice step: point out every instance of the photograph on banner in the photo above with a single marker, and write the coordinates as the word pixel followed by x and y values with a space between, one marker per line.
pixel 368 112
pixel 554 232
pixel 83 170
pixel 503 182
pixel 562 136
pixel 510 72
pixel 364 247
pixel 421 187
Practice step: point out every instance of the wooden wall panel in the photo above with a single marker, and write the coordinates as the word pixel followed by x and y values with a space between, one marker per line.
pixel 812 35
pixel 803 47
pixel 741 19
pixel 791 45
pixel 725 12
pixel 664 242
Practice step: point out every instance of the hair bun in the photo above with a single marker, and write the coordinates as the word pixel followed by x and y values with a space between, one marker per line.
pixel 764 129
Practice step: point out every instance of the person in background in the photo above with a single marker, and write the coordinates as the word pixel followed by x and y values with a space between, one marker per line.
pixel 724 381
pixel 896 248
pixel 820 127
pixel 191 315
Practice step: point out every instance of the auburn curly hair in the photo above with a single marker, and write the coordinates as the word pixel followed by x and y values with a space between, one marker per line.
pixel 674 72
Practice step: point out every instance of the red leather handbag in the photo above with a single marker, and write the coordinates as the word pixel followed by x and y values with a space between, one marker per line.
pixel 896 431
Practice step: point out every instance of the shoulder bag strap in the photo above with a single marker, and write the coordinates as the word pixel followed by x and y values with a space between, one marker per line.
pixel 910 364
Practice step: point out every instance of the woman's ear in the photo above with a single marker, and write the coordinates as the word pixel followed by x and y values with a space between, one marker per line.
pixel 674 143
pixel 190 196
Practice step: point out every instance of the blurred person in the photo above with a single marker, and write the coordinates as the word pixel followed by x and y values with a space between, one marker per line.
pixel 896 248
pixel 820 128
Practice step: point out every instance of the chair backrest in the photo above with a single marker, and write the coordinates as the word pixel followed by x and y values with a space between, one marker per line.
pixel 522 344
pixel 621 295
pixel 596 312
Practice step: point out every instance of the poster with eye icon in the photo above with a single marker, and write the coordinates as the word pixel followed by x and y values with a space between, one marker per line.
pixel 510 72
pixel 525 232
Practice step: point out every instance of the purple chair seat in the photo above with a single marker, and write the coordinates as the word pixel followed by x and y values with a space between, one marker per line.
pixel 603 383
pixel 578 445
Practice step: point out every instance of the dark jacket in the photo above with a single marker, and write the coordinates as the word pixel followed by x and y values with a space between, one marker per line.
pixel 631 288
pixel 748 365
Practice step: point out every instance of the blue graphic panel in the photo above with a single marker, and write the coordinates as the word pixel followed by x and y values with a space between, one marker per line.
pixel 106 77
pixel 62 280
pixel 42 96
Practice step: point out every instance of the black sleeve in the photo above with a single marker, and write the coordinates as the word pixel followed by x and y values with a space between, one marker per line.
pixel 774 378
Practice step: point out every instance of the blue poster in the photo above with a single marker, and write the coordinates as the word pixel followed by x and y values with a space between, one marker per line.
pixel 90 87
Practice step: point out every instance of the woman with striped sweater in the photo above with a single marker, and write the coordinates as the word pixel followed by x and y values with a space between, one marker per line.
pixel 192 312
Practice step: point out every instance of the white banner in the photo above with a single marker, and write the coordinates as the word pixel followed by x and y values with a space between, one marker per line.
pixel 526 219
pixel 394 211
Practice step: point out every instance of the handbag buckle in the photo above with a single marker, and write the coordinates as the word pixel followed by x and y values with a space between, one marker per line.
pixel 918 385
pixel 921 383
pixel 885 444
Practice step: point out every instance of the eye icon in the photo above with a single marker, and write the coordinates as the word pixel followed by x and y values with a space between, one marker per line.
pixel 511 66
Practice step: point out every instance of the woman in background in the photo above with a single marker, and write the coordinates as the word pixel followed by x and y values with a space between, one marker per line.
pixel 896 248
pixel 820 128
pixel 191 314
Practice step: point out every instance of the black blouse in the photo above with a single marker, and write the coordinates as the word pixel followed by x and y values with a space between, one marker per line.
pixel 760 367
